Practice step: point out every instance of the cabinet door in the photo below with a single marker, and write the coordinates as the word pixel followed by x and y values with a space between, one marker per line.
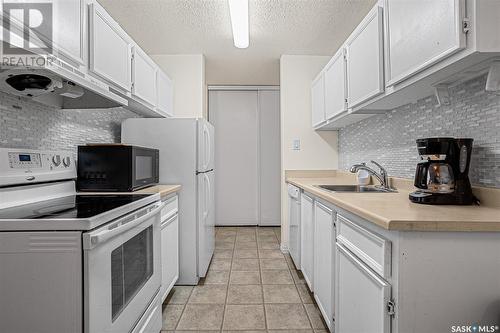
pixel 324 240
pixel 169 254
pixel 307 239
pixel 66 35
pixel 69 29
pixel 110 48
pixel 421 33
pixel 143 77
pixel 164 93
pixel 335 85
pixel 318 100
pixel 361 296
pixel 294 227
pixel 365 59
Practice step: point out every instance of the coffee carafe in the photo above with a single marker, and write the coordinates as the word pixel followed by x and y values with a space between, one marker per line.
pixel 442 175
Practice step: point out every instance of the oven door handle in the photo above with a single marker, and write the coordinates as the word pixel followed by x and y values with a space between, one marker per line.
pixel 102 236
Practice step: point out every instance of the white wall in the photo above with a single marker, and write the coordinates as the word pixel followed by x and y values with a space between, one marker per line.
pixel 318 150
pixel 188 74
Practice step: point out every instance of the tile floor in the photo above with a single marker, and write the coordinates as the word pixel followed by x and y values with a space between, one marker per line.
pixel 250 286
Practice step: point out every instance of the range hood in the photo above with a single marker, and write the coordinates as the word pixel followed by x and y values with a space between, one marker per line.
pixel 58 84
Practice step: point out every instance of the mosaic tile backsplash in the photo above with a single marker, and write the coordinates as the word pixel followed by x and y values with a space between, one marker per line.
pixel 389 138
pixel 28 124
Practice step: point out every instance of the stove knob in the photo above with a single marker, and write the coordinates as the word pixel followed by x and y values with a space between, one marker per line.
pixel 56 159
pixel 66 161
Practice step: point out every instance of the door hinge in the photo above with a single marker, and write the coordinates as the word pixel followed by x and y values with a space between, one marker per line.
pixel 391 308
pixel 466 25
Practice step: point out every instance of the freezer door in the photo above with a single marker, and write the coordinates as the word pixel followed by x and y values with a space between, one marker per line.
pixel 205 145
pixel 206 221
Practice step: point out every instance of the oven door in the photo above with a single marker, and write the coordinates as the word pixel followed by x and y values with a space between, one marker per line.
pixel 122 272
pixel 145 167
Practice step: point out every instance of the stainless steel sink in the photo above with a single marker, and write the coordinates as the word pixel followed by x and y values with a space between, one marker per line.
pixel 355 188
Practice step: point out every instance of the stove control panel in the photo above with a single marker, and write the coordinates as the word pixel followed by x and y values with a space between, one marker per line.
pixel 24 160
pixel 21 166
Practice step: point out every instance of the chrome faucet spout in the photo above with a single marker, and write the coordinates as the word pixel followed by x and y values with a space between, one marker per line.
pixel 382 177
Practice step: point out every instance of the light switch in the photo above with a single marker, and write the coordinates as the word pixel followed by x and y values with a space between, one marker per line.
pixel 296 144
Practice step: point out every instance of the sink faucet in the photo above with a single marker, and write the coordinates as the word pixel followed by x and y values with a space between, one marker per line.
pixel 382 177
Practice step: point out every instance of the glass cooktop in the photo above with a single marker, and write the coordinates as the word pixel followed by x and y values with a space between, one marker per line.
pixel 73 206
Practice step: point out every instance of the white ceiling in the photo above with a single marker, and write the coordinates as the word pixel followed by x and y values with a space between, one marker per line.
pixel 312 27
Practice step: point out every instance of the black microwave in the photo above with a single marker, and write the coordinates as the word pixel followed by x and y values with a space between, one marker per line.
pixel 116 168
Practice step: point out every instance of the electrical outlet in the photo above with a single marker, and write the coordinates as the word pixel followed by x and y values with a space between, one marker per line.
pixel 296 144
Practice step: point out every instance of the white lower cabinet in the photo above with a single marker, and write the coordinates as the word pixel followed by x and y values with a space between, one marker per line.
pixel 307 239
pixel 294 223
pixel 324 240
pixel 368 279
pixel 169 247
pixel 361 296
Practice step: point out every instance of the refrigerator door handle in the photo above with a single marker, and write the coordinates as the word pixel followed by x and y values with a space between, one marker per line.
pixel 207 196
pixel 207 149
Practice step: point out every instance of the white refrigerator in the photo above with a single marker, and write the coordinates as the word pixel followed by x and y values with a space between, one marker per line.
pixel 187 158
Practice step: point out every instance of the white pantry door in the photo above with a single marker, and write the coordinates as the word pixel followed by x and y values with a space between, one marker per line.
pixel 270 158
pixel 234 116
pixel 247 156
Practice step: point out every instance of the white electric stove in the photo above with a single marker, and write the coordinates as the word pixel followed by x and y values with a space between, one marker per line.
pixel 71 262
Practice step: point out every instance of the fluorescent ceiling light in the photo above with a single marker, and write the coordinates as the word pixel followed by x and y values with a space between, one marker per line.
pixel 238 9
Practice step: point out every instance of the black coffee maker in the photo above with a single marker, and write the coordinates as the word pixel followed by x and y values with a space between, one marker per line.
pixel 442 174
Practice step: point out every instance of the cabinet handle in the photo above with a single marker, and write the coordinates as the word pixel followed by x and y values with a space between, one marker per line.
pixel 307 197
pixel 169 220
pixel 324 207
pixel 361 265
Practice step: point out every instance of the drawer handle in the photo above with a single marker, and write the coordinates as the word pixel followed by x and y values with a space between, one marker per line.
pixel 169 220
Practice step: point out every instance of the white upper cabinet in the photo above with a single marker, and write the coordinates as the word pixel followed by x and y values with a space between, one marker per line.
pixel 421 33
pixel 69 29
pixel 143 77
pixel 318 100
pixel 110 48
pixel 66 35
pixel 365 59
pixel 335 85
pixel 165 93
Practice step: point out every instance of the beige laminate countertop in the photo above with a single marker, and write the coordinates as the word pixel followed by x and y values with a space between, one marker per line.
pixel 394 211
pixel 163 190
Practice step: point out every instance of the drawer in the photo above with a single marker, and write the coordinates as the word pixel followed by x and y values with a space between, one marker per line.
pixel 170 207
pixel 372 249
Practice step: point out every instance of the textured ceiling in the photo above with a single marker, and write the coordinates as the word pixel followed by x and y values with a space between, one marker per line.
pixel 312 27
